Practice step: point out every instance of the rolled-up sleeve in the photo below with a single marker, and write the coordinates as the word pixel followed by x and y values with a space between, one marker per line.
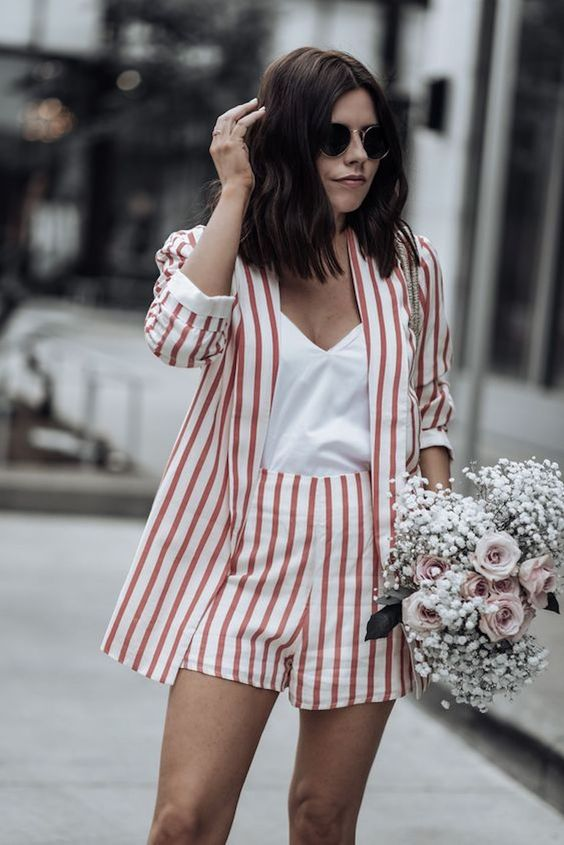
pixel 185 327
pixel 434 354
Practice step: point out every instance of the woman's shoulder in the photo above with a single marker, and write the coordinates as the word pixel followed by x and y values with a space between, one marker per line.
pixel 426 248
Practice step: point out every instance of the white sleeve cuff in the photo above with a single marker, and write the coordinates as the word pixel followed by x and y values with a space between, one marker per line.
pixel 435 437
pixel 189 295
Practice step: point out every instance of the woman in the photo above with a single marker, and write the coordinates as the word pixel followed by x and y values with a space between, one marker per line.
pixel 260 563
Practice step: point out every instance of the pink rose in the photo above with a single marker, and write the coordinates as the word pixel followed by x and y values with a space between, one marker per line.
pixel 419 617
pixel 496 555
pixel 538 577
pixel 430 566
pixel 506 621
pixel 529 615
pixel 506 585
pixel 475 585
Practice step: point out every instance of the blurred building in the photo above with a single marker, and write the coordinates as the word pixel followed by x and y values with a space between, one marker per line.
pixel 43 48
pixel 487 180
pixel 105 116
pixel 478 89
pixel 106 109
pixel 106 112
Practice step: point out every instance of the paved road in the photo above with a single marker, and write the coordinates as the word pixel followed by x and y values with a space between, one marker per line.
pixel 81 734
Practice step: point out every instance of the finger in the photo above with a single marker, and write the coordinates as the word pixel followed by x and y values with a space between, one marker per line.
pixel 238 111
pixel 248 120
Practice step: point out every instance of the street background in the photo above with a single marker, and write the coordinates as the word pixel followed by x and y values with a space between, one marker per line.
pixel 106 108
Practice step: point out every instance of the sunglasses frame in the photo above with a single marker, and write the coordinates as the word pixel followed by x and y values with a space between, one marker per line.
pixel 362 133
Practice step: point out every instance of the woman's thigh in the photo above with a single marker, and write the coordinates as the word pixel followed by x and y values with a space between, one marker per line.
pixel 211 732
pixel 335 752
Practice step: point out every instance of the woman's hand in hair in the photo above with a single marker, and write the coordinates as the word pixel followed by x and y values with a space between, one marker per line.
pixel 228 150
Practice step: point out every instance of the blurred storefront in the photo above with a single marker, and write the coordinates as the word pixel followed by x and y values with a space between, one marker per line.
pixel 106 108
pixel 472 82
pixel 487 186
pixel 104 132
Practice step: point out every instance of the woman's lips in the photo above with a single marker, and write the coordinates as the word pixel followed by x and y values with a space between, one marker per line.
pixel 351 183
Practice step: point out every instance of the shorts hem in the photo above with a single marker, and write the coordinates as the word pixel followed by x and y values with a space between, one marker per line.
pixel 207 669
pixel 307 704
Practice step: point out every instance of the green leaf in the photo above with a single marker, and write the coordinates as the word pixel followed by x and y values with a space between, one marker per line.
pixel 552 603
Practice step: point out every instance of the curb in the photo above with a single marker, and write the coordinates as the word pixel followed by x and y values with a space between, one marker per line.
pixel 520 754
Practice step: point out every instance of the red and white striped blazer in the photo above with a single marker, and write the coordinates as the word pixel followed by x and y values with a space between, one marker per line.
pixel 199 510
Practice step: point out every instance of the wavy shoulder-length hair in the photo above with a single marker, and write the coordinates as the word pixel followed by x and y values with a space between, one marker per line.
pixel 289 224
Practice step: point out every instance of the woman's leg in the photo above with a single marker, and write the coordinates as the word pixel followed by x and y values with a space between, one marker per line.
pixel 336 749
pixel 211 732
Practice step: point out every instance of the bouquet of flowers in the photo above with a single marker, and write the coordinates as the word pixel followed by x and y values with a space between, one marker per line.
pixel 466 576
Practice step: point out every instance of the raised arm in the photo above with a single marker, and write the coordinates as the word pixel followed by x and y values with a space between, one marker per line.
pixel 188 321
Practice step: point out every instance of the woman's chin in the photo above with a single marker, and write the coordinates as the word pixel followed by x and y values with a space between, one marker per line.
pixel 346 208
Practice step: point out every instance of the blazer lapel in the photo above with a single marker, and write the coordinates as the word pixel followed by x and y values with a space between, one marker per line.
pixel 389 345
pixel 385 325
pixel 256 372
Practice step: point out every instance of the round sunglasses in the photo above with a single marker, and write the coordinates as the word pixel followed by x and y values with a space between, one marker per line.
pixel 338 137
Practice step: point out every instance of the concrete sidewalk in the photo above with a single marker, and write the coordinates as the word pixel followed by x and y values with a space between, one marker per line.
pixel 81 734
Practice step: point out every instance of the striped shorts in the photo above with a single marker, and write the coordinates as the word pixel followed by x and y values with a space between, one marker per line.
pixel 293 609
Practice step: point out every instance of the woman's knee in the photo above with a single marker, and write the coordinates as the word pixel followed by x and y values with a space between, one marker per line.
pixel 315 819
pixel 176 824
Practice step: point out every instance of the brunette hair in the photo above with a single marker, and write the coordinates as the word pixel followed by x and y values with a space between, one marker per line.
pixel 289 222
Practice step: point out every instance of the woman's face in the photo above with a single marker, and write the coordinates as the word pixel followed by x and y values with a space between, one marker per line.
pixel 354 109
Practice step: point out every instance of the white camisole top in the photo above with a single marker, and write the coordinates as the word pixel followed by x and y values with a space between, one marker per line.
pixel 319 422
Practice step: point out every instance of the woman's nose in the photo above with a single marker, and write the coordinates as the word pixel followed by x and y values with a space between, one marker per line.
pixel 355 150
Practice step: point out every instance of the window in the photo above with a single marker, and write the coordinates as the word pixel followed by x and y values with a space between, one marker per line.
pixel 528 339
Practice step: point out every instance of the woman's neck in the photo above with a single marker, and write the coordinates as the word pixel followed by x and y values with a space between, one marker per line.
pixel 340 223
pixel 290 281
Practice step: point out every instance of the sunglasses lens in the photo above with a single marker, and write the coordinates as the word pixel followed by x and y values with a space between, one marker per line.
pixel 335 140
pixel 375 142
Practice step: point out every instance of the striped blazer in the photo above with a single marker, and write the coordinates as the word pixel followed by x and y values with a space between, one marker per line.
pixel 199 510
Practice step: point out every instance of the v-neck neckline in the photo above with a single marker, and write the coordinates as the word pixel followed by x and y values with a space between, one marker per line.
pixel 342 343
pixel 346 339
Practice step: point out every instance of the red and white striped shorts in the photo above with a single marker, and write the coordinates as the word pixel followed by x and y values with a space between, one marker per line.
pixel 292 611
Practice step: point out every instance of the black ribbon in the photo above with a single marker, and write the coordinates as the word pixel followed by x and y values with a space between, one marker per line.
pixel 383 621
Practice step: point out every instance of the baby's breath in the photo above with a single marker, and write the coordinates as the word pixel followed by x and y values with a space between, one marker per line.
pixel 524 499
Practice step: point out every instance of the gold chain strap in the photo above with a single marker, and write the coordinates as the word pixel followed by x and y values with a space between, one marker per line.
pixel 410 271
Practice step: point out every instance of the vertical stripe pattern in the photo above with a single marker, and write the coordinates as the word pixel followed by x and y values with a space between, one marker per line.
pixel 391 348
pixel 177 335
pixel 200 518
pixel 292 611
pixel 435 357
